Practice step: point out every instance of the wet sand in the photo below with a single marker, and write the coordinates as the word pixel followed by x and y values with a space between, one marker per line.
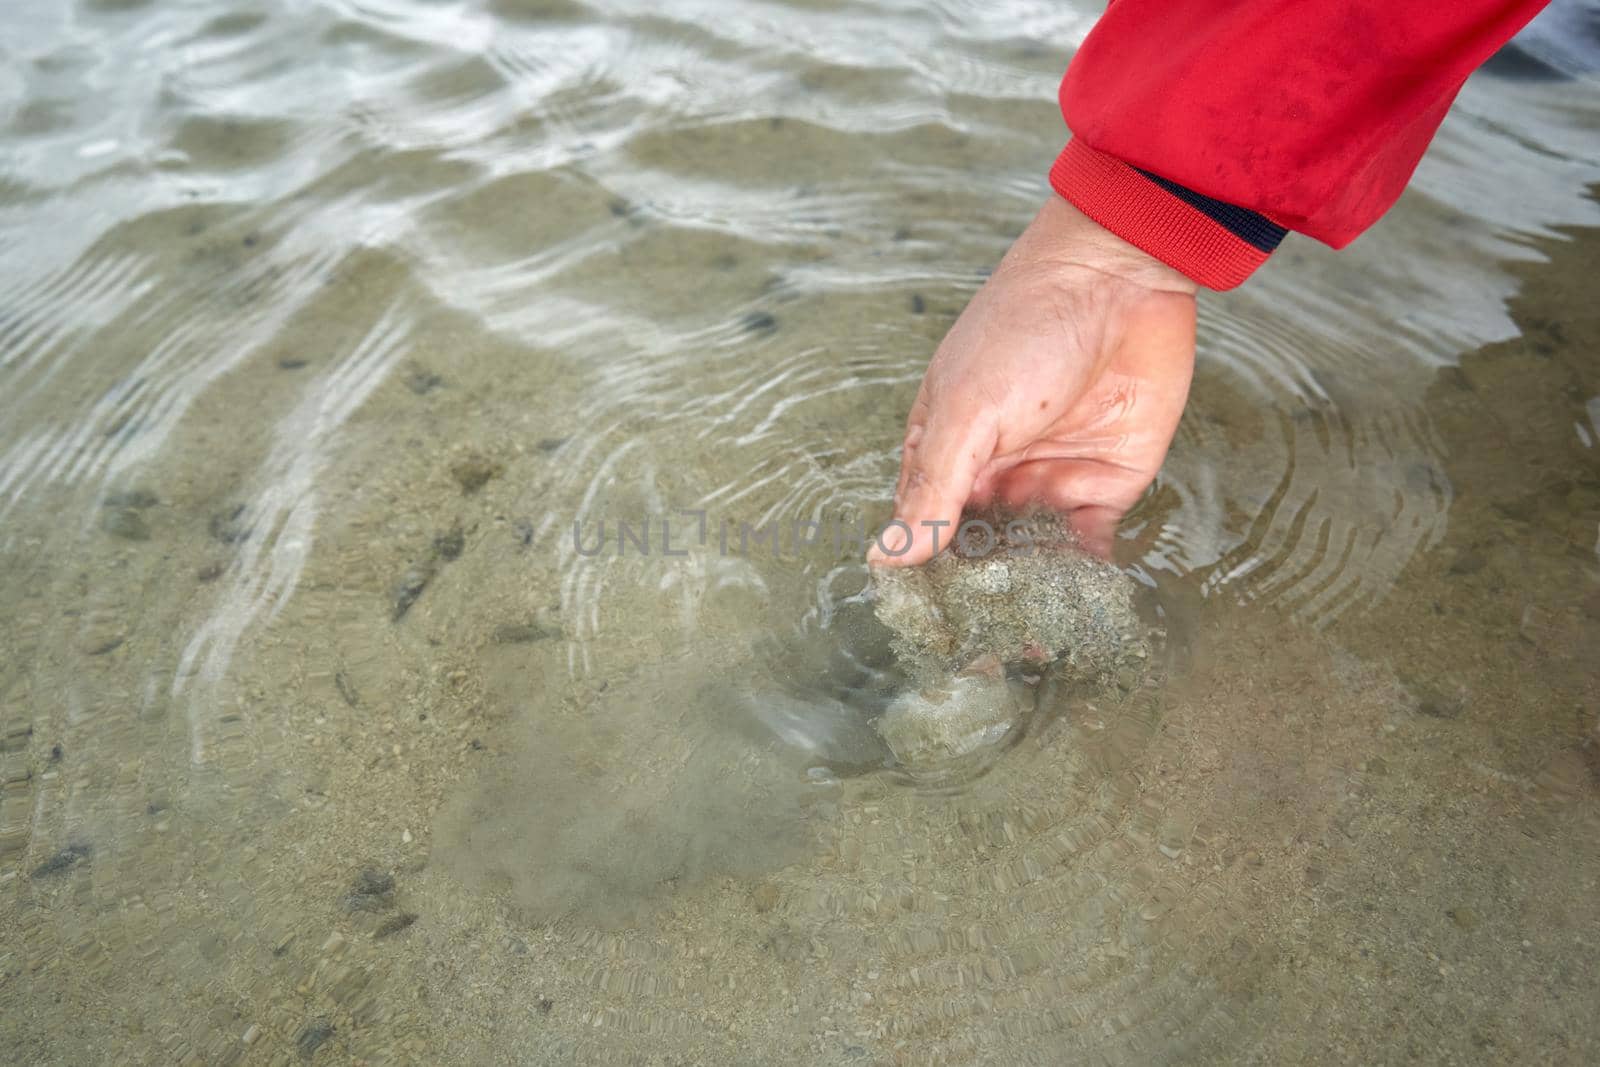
pixel 1374 844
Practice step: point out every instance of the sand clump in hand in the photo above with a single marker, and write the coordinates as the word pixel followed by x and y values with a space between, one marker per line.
pixel 1028 594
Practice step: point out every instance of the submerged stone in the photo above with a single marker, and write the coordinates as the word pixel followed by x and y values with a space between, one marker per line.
pixel 126 523
pixel 472 471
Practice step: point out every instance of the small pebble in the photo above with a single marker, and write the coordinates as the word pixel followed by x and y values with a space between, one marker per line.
pixel 313 1037
pixel 62 861
pixel 126 523
pixel 406 591
pixel 422 381
pixel 131 498
pixel 373 891
pixel 448 546
pixel 765 897
pixel 759 322
pixel 99 642
pixel 473 470
pixel 395 923
pixel 230 525
pixel 521 634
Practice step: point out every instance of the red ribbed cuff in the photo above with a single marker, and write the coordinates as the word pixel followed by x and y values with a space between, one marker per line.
pixel 1184 230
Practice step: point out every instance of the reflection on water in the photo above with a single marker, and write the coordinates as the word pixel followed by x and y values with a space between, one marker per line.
pixel 322 324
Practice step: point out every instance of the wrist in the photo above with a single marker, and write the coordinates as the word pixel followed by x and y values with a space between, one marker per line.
pixel 1071 239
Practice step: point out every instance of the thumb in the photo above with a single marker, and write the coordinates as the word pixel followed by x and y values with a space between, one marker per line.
pixel 942 458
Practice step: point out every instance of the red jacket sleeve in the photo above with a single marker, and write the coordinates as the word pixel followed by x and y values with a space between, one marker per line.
pixel 1203 130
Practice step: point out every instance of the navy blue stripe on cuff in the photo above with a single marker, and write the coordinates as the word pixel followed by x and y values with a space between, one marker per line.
pixel 1248 226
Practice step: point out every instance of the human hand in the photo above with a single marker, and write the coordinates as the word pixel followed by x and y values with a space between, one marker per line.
pixel 1061 383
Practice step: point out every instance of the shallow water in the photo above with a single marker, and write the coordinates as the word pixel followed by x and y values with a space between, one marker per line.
pixel 323 324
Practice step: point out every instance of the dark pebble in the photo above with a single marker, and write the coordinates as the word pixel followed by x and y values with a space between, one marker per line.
pixel 371 881
pixel 918 305
pixel 230 525
pixel 291 363
pixel 250 240
pixel 408 588
pixel 395 923
pixel 524 531
pixel 472 471
pixel 1522 509
pixel 373 891
pixel 448 546
pixel 347 689
pixel 1439 706
pixel 521 634
pixel 620 207
pixel 64 860
pixel 126 523
pixel 106 644
pixel 423 381
pixel 550 444
pixel 545 1005
pixel 314 1037
pixel 55 753
pixel 759 322
pixel 209 573
pixel 131 498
